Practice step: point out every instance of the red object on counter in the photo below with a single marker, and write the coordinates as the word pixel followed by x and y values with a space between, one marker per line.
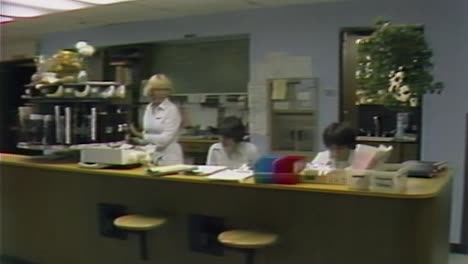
pixel 283 169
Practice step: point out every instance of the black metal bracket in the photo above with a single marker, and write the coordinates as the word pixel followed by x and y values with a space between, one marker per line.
pixel 106 215
pixel 203 234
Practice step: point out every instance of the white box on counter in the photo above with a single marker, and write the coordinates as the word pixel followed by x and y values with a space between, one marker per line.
pixel 373 180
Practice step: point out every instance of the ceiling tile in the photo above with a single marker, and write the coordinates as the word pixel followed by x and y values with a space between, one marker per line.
pixel 119 13
pixel 190 7
pixel 132 11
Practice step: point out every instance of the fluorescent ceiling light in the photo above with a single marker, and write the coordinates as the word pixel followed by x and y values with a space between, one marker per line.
pixel 50 4
pixel 5 19
pixel 11 10
pixel 34 8
pixel 103 2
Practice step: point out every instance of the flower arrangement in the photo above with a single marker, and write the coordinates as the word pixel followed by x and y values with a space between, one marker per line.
pixel 62 67
pixel 395 66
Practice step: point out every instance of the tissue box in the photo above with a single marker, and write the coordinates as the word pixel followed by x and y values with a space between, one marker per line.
pixel 359 179
pixel 336 177
pixel 389 181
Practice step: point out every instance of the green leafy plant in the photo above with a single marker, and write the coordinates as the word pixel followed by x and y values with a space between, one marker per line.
pixel 395 66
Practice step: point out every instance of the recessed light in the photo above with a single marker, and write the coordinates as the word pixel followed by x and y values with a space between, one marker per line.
pixel 55 4
pixel 4 19
pixel 21 11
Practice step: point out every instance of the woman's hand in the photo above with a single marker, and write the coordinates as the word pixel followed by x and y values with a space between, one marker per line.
pixel 135 141
pixel 134 132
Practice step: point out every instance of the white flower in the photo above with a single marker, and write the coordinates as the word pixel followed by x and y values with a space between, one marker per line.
pixel 397 78
pixel 80 44
pixel 360 92
pixel 381 92
pixel 368 57
pixel 358 41
pixel 414 102
pixel 358 74
pixel 400 68
pixel 87 51
pixel 393 88
pixel 403 94
pixel 400 74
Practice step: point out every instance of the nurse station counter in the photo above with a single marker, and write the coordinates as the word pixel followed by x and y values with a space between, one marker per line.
pixel 54 213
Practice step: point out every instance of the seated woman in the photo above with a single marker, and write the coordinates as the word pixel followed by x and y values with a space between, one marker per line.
pixel 340 141
pixel 232 151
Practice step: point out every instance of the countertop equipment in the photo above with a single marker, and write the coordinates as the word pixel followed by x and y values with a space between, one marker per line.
pixel 106 155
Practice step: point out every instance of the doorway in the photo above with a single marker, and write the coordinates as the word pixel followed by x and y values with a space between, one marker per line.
pixel 13 76
pixel 348 64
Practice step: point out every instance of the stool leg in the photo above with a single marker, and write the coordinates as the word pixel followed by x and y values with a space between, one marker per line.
pixel 143 246
pixel 250 256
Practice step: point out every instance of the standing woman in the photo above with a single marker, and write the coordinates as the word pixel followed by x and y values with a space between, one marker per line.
pixel 161 122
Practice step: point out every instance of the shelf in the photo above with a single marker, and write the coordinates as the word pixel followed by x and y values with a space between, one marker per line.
pixel 381 105
pixel 74 84
pixel 293 112
pixel 23 145
pixel 76 100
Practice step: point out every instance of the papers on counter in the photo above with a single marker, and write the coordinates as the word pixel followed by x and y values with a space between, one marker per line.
pixel 167 170
pixel 217 173
pixel 222 173
pixel 207 170
pixel 231 175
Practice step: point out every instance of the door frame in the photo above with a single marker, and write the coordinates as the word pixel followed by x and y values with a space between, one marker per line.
pixel 462 247
pixel 341 81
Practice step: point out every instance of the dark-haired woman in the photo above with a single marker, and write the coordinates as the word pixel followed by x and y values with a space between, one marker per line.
pixel 340 141
pixel 232 151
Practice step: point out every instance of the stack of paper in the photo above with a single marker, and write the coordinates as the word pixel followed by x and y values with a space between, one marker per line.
pixel 424 169
pixel 368 157
pixel 207 170
pixel 167 170
pixel 231 175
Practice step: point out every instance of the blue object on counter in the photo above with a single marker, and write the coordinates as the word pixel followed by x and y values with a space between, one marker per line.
pixel 263 169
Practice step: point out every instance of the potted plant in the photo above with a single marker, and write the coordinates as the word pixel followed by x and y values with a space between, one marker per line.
pixel 395 69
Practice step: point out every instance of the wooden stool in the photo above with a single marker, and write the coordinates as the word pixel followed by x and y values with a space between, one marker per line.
pixel 247 241
pixel 139 224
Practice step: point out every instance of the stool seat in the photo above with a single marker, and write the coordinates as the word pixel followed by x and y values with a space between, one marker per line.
pixel 247 239
pixel 135 222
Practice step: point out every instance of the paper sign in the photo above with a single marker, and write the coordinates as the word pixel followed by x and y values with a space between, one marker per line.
pixel 281 105
pixel 280 90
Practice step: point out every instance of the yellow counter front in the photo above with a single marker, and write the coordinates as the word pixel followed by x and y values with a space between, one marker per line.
pixel 49 216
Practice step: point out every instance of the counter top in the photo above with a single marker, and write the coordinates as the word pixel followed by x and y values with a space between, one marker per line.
pixel 416 188
pixel 386 139
pixel 187 139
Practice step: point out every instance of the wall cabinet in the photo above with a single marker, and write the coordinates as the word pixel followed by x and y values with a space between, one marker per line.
pixel 293 115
